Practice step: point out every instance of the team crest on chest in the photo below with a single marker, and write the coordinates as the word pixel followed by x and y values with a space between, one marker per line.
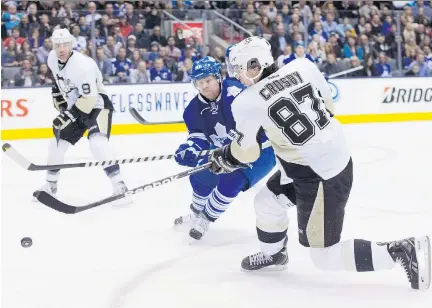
pixel 64 84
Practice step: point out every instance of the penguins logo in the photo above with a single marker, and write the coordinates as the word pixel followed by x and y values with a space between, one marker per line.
pixel 63 84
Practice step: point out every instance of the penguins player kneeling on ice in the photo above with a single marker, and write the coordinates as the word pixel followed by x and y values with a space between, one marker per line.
pixel 80 97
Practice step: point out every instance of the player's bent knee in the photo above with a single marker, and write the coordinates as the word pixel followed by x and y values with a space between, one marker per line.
pixel 271 216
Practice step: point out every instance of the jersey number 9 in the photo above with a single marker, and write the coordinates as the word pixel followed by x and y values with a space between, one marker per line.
pixel 297 126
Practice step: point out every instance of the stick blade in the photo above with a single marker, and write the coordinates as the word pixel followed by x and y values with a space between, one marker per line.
pixel 137 116
pixel 17 157
pixel 47 199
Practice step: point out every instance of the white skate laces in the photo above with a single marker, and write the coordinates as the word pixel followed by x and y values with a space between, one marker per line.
pixel 202 224
pixel 260 259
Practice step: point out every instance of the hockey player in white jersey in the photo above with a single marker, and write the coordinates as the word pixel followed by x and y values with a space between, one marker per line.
pixel 288 103
pixel 80 97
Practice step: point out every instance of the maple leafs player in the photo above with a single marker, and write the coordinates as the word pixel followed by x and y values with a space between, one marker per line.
pixel 80 97
pixel 310 145
pixel 209 120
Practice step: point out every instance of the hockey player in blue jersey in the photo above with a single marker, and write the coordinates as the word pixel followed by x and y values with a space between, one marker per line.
pixel 209 120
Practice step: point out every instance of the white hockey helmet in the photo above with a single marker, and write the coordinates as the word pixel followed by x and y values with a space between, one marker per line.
pixel 250 53
pixel 60 36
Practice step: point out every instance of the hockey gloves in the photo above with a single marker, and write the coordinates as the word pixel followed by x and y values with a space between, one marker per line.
pixel 66 117
pixel 59 102
pixel 223 161
pixel 188 154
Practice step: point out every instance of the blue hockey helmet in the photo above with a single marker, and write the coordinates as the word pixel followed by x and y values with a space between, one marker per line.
pixel 206 67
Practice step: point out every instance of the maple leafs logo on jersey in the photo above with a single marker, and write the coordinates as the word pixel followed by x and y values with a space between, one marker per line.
pixel 233 91
pixel 221 135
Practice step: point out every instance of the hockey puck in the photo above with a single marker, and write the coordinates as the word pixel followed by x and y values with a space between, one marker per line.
pixel 26 242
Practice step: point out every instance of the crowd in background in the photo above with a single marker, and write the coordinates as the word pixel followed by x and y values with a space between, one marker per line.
pixel 131 46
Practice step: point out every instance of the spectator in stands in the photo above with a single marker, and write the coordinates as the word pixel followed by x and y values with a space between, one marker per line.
pixel 142 38
pixel 159 73
pixel 285 14
pixel 154 52
pixel 11 18
pixel 26 77
pixel 235 12
pixel 112 17
pixel 219 55
pixel 250 19
pixel 180 10
pixel 366 46
pixel 366 9
pixel 381 46
pixel 387 24
pixel 16 37
pixel 44 76
pixel 296 23
pixel 299 52
pixel 45 29
pixel 135 58
pixel 330 66
pixel 286 54
pixel 421 18
pixel 92 14
pixel 10 54
pixel 279 40
pixel 180 41
pixel 131 16
pixel 376 25
pixel 355 62
pixel 26 53
pixel 305 10
pixel 157 37
pixel 173 52
pixel 383 69
pixel 124 27
pixel 103 63
pixel 335 44
pixel 265 28
pixel 78 42
pixel 369 66
pixel 411 57
pixel 43 51
pixel 111 48
pixel 25 28
pixel 104 26
pixel 270 11
pixel 330 26
pixel 423 68
pixel 153 20
pixel 189 54
pixel 185 71
pixel 428 54
pixel 131 46
pixel 360 26
pixel 351 49
pixel 318 30
pixel 316 50
pixel 121 66
pixel 33 15
pixel 140 74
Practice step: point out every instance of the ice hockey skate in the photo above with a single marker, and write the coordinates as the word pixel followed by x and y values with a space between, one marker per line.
pixel 49 187
pixel 184 221
pixel 264 262
pixel 200 228
pixel 120 188
pixel 414 255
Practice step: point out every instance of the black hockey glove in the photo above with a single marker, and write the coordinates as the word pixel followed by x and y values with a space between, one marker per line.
pixel 66 117
pixel 59 102
pixel 223 161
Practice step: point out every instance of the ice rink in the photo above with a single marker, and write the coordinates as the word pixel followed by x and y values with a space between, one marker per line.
pixel 130 256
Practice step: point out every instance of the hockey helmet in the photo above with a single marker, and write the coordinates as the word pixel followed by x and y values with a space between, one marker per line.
pixel 252 52
pixel 206 67
pixel 61 36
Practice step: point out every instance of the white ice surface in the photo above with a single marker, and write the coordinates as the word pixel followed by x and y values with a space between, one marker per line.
pixel 130 257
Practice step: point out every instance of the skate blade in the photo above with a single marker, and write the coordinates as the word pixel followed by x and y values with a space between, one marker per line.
pixel 423 250
pixel 269 269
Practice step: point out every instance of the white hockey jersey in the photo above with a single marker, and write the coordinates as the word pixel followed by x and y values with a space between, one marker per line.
pixel 80 76
pixel 289 106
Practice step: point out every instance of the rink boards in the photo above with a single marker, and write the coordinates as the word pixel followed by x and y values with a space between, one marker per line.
pixel 27 113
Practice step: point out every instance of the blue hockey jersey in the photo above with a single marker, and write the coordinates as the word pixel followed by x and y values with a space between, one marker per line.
pixel 209 122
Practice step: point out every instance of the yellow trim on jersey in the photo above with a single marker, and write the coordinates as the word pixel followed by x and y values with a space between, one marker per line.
pixel 123 129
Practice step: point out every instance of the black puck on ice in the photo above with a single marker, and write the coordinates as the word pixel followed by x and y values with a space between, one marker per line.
pixel 26 242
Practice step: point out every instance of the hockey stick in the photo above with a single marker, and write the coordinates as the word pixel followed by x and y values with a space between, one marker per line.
pixel 59 206
pixel 141 120
pixel 23 162
pixel 354 69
